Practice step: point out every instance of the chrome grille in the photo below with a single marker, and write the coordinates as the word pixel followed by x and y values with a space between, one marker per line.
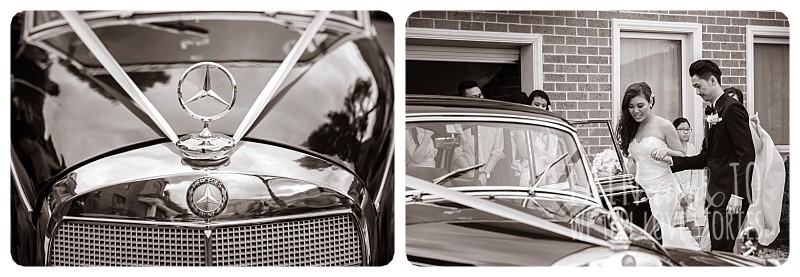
pixel 325 241
pixel 92 244
pixel 329 241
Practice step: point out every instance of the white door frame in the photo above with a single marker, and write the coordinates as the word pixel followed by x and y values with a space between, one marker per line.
pixel 692 50
pixel 530 48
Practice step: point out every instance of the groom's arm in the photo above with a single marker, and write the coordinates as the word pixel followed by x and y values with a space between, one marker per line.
pixel 698 161
pixel 739 130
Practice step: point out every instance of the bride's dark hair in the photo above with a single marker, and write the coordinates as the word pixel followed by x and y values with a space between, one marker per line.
pixel 627 126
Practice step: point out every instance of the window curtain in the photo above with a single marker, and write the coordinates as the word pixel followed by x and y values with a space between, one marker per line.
pixel 771 81
pixel 657 63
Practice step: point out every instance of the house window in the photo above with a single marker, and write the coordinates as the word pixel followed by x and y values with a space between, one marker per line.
pixel 656 62
pixel 658 53
pixel 442 78
pixel 768 81
pixel 501 63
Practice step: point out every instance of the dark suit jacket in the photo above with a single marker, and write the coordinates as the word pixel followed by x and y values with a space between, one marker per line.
pixel 727 142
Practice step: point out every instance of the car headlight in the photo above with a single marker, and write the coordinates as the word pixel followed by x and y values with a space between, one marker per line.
pixel 603 256
pixel 628 258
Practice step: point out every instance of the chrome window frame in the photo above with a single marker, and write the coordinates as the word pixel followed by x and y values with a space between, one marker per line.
pixel 497 118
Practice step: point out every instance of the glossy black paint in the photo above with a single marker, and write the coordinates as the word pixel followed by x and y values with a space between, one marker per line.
pixel 441 234
pixel 349 122
pixel 333 112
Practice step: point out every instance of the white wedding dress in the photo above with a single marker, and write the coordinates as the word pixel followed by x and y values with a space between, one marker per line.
pixel 662 190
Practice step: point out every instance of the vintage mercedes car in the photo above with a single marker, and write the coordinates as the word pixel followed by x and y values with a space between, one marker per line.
pixel 200 139
pixel 523 193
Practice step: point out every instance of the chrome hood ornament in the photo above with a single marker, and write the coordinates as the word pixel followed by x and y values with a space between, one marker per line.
pixel 207 197
pixel 206 147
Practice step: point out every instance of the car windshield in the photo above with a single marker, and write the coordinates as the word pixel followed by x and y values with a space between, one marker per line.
pixel 514 155
pixel 597 140
pixel 183 41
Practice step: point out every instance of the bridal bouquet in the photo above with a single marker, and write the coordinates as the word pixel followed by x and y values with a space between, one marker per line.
pixel 606 164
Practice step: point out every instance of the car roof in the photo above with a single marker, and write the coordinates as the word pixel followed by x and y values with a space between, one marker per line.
pixel 426 104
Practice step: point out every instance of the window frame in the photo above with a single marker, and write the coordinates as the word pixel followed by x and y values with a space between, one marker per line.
pixel 767 35
pixel 530 48
pixel 690 35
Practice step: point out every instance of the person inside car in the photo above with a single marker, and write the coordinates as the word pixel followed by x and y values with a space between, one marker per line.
pixel 479 144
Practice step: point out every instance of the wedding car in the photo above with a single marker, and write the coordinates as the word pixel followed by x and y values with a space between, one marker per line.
pixel 509 185
pixel 200 139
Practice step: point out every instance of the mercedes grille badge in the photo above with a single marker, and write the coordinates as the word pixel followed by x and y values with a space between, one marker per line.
pixel 207 197
pixel 206 148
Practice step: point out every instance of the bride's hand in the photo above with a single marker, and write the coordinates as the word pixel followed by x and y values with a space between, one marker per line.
pixel 660 155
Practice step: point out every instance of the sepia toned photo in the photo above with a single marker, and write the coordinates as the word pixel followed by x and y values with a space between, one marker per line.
pixel 202 138
pixel 597 138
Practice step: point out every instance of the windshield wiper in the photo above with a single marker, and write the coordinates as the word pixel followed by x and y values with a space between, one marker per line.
pixel 546 169
pixel 177 28
pixel 456 172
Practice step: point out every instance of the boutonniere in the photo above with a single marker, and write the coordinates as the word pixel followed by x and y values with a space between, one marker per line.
pixel 712 117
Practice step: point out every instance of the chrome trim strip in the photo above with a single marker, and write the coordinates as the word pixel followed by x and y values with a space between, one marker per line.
pixel 389 166
pixel 624 192
pixel 461 116
pixel 280 75
pixel 366 22
pixel 209 225
pixel 104 19
pixel 500 210
pixel 508 193
pixel 36 29
pixel 363 229
pixel 20 191
pixel 28 25
pixel 105 58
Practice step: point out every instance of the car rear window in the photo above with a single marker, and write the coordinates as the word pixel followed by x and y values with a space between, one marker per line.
pixel 193 41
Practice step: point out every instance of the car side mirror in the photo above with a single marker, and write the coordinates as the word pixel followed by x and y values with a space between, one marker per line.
pixel 446 142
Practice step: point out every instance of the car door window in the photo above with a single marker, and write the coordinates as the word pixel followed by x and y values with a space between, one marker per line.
pixel 514 154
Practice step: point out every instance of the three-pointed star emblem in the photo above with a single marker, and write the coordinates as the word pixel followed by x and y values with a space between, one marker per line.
pixel 208 200
pixel 207 197
pixel 206 91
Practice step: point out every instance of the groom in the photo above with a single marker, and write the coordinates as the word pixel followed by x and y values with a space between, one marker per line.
pixel 727 152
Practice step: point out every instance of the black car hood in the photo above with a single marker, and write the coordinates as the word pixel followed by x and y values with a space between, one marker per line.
pixel 62 116
pixel 88 116
pixel 439 235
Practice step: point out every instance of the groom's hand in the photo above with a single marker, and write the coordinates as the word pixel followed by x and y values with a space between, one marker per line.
pixel 734 205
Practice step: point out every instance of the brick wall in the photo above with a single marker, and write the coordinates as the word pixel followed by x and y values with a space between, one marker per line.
pixel 577 46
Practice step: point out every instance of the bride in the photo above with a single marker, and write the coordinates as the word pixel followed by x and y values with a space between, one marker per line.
pixel 640 133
